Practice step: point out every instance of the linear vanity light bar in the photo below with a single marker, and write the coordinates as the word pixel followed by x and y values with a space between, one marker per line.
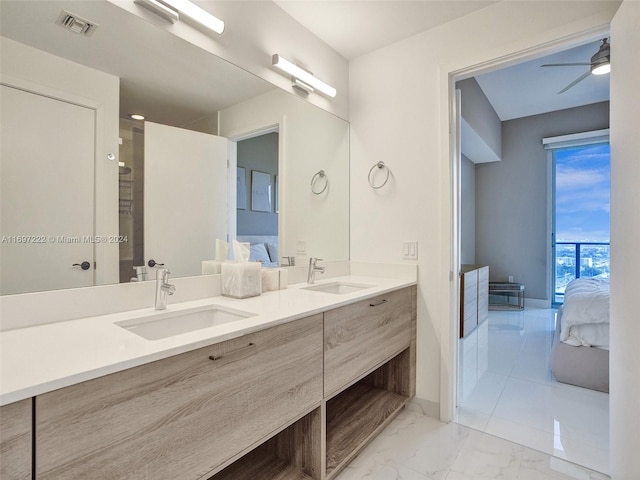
pixel 197 14
pixel 302 75
pixel 159 9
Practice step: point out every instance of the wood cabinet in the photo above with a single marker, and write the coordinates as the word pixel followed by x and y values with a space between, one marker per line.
pixel 474 297
pixel 296 401
pixel 184 416
pixel 359 337
pixel 15 440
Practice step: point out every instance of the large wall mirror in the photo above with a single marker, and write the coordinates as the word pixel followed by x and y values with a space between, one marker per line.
pixel 89 193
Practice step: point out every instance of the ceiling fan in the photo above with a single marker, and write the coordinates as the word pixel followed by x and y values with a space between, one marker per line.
pixel 599 64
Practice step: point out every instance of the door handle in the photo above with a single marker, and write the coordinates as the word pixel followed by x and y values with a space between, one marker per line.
pixel 152 263
pixel 84 265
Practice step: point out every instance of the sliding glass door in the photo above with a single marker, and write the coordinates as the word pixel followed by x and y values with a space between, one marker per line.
pixel 582 191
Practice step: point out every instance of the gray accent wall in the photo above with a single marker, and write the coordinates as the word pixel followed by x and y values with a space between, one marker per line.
pixel 513 197
pixel 467 212
pixel 261 154
pixel 483 141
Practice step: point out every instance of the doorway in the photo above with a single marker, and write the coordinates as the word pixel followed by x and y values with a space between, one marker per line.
pixel 531 330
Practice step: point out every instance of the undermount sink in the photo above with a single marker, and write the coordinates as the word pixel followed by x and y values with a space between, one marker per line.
pixel 338 288
pixel 168 324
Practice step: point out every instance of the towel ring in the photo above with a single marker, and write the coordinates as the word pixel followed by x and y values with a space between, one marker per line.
pixel 379 165
pixel 315 178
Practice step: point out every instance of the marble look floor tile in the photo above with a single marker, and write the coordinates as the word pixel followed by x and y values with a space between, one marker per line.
pixel 484 456
pixel 417 447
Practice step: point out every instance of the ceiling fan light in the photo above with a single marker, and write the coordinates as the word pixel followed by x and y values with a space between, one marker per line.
pixel 601 69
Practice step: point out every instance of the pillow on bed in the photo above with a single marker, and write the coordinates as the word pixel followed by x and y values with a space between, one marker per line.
pixel 259 253
pixel 272 248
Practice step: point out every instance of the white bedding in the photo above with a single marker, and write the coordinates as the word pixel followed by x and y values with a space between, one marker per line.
pixel 585 313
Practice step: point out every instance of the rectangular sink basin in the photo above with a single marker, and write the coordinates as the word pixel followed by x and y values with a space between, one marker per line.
pixel 168 324
pixel 338 288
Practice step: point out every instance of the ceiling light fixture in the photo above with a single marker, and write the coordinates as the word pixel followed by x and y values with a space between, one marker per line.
pixel 136 116
pixel 159 9
pixel 197 14
pixel 601 61
pixel 302 76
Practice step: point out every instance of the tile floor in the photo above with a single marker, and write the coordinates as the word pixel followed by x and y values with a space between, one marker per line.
pixel 417 447
pixel 518 399
pixel 517 424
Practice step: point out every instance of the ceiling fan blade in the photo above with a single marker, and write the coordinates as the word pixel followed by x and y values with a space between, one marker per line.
pixel 566 65
pixel 576 81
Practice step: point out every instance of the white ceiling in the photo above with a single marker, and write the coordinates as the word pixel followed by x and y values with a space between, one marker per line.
pixel 527 89
pixel 355 27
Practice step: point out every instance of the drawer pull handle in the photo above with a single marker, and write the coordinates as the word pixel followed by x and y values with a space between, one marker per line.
pixel 214 358
pixel 379 303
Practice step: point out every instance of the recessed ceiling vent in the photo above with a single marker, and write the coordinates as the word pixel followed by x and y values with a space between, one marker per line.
pixel 76 24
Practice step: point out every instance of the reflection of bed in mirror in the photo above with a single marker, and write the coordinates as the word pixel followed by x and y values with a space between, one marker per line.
pixel 264 249
pixel 580 354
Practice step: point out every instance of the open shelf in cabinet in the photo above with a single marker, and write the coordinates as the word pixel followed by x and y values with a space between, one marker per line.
pixel 292 454
pixel 358 413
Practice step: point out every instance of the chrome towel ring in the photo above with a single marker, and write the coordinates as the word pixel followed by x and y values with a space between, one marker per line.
pixel 380 166
pixel 318 177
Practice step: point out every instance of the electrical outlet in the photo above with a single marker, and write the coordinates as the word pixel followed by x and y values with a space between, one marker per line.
pixel 510 278
pixel 302 247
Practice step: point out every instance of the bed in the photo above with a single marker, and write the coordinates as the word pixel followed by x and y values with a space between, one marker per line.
pixel 264 248
pixel 580 353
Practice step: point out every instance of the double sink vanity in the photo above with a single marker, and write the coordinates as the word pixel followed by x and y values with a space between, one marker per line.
pixel 287 385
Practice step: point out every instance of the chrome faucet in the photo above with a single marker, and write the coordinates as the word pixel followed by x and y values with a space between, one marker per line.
pixel 163 288
pixel 311 277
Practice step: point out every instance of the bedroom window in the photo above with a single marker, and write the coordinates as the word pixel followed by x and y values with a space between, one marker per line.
pixel 581 201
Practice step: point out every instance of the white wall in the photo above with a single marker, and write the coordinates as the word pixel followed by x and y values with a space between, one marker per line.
pixel 254 31
pixel 625 235
pixel 399 114
pixel 310 140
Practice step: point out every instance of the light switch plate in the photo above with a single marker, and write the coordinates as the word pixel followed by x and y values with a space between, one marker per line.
pixel 410 250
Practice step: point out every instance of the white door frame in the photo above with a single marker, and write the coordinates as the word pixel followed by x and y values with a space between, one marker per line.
pixel 276 126
pixel 449 369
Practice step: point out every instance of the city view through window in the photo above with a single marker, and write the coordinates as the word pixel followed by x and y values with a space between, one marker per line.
pixel 582 201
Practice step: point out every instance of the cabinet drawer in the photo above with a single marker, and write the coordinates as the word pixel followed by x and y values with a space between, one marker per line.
pixel 183 416
pixel 359 337
pixel 15 440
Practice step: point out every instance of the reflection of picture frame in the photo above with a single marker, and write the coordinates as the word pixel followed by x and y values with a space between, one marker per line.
pixel 241 189
pixel 260 191
pixel 276 196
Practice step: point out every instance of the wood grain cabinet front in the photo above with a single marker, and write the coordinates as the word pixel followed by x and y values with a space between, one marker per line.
pixel 15 440
pixel 185 416
pixel 360 337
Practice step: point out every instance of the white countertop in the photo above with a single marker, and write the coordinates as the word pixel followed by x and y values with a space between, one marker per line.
pixel 44 358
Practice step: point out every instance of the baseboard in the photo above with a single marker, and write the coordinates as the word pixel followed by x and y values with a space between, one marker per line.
pixel 424 407
pixel 537 303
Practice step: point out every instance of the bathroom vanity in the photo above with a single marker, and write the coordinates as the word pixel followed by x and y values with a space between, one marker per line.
pixel 294 391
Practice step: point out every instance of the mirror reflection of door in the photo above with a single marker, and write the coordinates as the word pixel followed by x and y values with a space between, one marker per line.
pixel 257 207
pixel 46 229
pixel 185 197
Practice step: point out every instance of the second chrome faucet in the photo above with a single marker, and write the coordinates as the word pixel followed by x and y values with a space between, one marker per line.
pixel 313 268
pixel 163 288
